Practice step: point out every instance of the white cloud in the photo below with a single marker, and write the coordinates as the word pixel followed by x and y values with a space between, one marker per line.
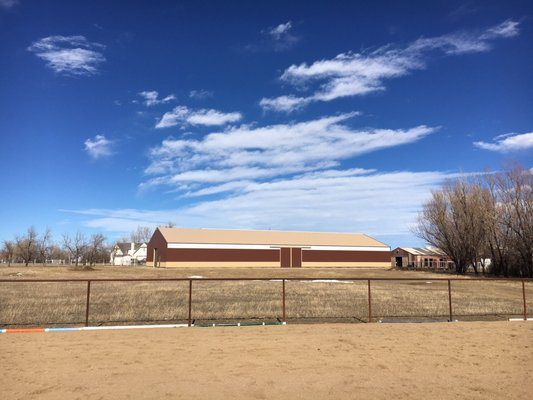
pixel 8 3
pixel 365 201
pixel 357 74
pixel 98 147
pixel 509 142
pixel 284 103
pixel 506 29
pixel 464 10
pixel 123 225
pixel 201 94
pixel 376 203
pixel 69 55
pixel 247 153
pixel 151 98
pixel 281 36
pixel 285 176
pixel 279 31
pixel 182 115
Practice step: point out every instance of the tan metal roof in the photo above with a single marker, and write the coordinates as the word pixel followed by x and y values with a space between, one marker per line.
pixel 281 238
pixel 423 251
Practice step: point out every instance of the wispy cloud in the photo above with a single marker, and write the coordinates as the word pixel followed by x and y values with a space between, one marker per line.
pixel 151 98
pixel 98 147
pixel 247 153
pixel 508 143
pixel 357 74
pixel 285 103
pixel 278 32
pixel 183 116
pixel 201 94
pixel 69 55
pixel 464 10
pixel 275 38
pixel 281 36
pixel 7 4
pixel 506 29
pixel 376 203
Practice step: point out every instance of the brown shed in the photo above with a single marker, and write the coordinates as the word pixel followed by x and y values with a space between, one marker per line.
pixel 177 247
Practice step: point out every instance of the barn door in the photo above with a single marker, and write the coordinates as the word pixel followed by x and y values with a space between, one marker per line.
pixel 285 257
pixel 296 261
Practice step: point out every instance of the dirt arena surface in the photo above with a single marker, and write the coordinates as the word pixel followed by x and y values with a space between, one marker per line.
pixel 465 360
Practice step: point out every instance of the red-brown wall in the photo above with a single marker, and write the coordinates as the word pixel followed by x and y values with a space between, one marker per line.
pixel 222 255
pixel 345 256
pixel 158 242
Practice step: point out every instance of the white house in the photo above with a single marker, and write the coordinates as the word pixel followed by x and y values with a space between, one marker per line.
pixel 128 254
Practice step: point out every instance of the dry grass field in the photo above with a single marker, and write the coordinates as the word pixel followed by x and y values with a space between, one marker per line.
pixel 63 304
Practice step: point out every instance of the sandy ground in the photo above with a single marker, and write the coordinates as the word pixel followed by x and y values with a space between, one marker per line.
pixel 474 360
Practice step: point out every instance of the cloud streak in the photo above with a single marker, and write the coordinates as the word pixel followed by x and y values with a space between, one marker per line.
pixel 7 4
pixel 183 116
pixel 201 94
pixel 69 55
pixel 358 74
pixel 508 143
pixel 356 200
pixel 247 153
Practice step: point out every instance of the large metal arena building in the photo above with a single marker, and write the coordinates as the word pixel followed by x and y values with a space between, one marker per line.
pixel 181 247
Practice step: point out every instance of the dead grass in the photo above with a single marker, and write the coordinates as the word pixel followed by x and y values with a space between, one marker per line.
pixel 19 271
pixel 59 304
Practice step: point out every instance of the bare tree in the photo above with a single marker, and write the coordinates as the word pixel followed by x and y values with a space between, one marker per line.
pixel 8 251
pixel 27 246
pixel 452 220
pixel 56 253
pixel 96 249
pixel 514 188
pixel 141 235
pixel 75 245
pixel 44 244
pixel 489 217
pixel 498 243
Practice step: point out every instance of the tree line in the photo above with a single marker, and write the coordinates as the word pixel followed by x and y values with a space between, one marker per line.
pixel 487 216
pixel 77 249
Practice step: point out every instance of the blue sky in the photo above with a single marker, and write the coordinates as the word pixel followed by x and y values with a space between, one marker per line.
pixel 326 116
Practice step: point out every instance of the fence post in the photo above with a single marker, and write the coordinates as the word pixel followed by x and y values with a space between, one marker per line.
pixel 87 303
pixel 283 302
pixel 369 303
pixel 190 302
pixel 524 297
pixel 450 298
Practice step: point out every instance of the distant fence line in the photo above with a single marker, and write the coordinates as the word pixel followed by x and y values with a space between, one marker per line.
pixel 283 291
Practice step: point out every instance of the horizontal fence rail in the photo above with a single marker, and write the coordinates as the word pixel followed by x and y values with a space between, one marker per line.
pixel 368 282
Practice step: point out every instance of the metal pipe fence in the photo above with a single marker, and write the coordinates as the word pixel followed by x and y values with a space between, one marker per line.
pixel 370 283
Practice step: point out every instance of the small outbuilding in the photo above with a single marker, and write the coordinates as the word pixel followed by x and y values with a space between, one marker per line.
pixel 420 257
pixel 181 247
